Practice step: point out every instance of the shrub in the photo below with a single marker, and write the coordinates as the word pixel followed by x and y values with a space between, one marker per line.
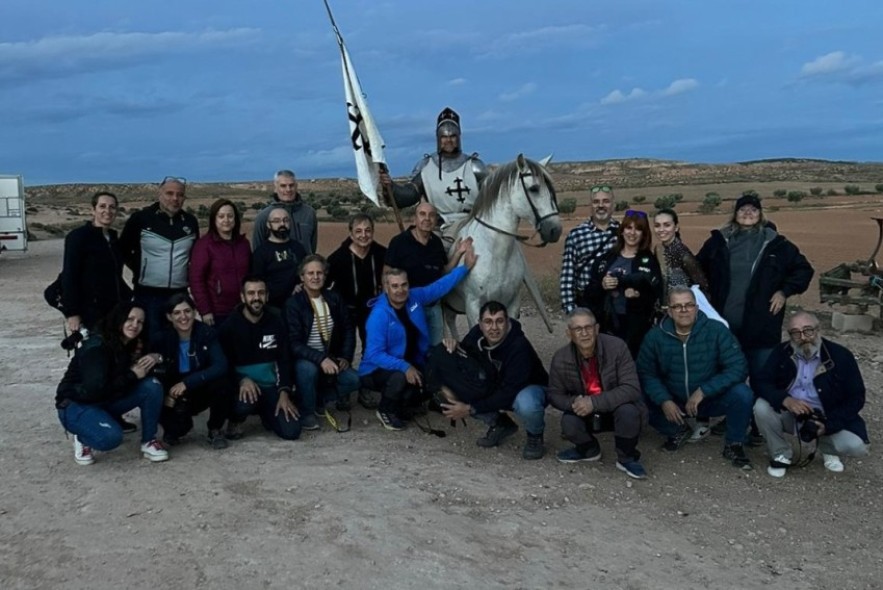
pixel 796 196
pixel 750 192
pixel 852 189
pixel 257 206
pixel 780 192
pixel 638 199
pixel 665 202
pixel 567 206
pixel 706 208
pixel 878 188
pixel 621 205
pixel 202 212
pixel 678 197
pixel 339 213
pixel 712 199
pixel 816 191
pixel 831 192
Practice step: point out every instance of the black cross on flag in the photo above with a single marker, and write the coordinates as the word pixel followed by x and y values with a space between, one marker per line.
pixel 358 139
pixel 460 189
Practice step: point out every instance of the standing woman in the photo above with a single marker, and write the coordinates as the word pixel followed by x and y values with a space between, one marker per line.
pixel 108 376
pixel 218 263
pixel 678 265
pixel 92 274
pixel 626 283
pixel 752 270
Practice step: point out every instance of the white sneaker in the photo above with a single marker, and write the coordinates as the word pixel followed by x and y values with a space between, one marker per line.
pixel 82 453
pixel 833 463
pixel 700 431
pixel 779 466
pixel 154 451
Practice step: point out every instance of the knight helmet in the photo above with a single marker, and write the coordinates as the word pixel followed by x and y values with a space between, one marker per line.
pixel 448 125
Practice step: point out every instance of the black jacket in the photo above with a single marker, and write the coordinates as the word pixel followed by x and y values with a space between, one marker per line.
pixel 838 382
pixel 779 267
pixel 299 313
pixel 207 360
pixel 96 374
pixel 260 350
pixel 92 275
pixel 342 273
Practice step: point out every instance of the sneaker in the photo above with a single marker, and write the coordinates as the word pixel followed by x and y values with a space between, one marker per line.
pixel 338 417
pixel 389 420
pixel 82 453
pixel 574 455
pixel 171 441
pixel 217 439
pixel 309 421
pixel 833 463
pixel 735 452
pixel 779 465
pixel 533 447
pixel 500 431
pixel 633 469
pixel 235 430
pixel 128 427
pixel 153 451
pixel 368 399
pixel 676 441
pixel 700 431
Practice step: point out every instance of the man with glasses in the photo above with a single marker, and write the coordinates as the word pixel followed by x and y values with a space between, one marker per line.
pixel 156 243
pixel 303 224
pixel 812 386
pixel 584 245
pixel 692 366
pixel 277 259
pixel 594 382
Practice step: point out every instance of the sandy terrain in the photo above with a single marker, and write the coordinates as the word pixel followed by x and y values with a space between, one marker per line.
pixel 373 509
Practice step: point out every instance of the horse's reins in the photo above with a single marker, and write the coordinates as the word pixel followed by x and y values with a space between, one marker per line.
pixel 536 215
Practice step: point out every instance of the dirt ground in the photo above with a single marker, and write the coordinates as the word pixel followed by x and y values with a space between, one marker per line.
pixel 375 509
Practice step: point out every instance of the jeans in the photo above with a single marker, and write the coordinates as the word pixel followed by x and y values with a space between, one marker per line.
pixel 265 407
pixel 395 391
pixel 773 425
pixel 735 404
pixel 95 426
pixel 312 383
pixel 756 358
pixel 529 406
pixel 626 428
pixel 435 321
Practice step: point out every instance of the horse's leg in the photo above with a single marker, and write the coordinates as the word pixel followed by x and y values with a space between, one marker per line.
pixel 533 290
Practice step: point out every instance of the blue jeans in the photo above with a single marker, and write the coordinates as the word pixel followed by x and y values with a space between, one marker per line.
pixel 95 426
pixel 265 407
pixel 307 377
pixel 529 406
pixel 735 403
pixel 756 358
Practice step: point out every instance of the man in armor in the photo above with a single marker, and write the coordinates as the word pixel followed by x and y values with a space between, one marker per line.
pixel 449 179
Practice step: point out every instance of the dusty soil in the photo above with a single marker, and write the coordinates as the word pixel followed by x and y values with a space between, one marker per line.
pixel 374 509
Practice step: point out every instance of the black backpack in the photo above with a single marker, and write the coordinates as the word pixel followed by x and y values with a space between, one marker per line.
pixel 52 294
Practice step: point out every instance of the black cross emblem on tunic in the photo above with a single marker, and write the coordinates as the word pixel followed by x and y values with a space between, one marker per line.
pixel 359 140
pixel 461 188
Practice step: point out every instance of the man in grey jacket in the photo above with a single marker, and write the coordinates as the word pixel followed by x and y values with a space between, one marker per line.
pixel 593 380
pixel 304 224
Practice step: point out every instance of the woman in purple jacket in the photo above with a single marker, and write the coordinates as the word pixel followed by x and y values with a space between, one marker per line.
pixel 219 261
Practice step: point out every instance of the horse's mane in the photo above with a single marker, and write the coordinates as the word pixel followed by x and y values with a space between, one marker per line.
pixel 491 190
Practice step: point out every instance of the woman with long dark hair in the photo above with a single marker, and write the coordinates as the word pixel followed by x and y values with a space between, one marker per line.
pixel 626 284
pixel 108 376
pixel 678 265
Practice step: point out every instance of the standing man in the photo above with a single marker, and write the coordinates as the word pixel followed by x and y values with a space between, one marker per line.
pixel 356 270
pixel 255 341
pixel 585 244
pixel 517 383
pixel 692 366
pixel 304 227
pixel 323 343
pixel 421 254
pixel 277 260
pixel 156 243
pixel 594 382
pixel 449 179
pixel 814 386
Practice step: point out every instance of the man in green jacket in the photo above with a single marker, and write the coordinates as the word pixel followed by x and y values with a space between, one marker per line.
pixel 692 366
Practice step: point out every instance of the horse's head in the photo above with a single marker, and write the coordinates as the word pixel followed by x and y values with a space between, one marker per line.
pixel 538 202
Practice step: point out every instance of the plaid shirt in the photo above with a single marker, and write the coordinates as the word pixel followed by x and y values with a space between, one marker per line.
pixel 584 244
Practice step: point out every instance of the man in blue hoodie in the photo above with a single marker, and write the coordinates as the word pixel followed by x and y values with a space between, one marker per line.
pixel 398 339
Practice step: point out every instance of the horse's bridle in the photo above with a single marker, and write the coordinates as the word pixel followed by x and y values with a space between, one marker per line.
pixel 536 214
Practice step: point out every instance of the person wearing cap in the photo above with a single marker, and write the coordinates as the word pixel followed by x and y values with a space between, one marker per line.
pixel 752 270
pixel 448 178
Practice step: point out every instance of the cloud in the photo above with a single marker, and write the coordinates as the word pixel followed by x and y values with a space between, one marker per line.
pixel 457 82
pixel 839 66
pixel 524 90
pixel 680 86
pixel 830 63
pixel 618 96
pixel 535 40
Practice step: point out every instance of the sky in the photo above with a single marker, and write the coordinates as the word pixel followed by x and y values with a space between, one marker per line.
pixel 226 90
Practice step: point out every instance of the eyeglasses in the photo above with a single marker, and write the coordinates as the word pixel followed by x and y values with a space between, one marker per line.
pixel 179 179
pixel 582 329
pixel 635 213
pixel 682 307
pixel 807 332
pixel 601 188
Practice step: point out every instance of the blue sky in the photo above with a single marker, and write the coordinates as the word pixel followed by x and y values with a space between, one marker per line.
pixel 119 91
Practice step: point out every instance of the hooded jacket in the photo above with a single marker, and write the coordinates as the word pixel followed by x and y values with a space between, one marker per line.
pixel 342 273
pixel 304 223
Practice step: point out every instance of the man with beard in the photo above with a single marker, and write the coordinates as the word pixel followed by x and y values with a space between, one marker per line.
pixel 303 224
pixel 812 386
pixel 585 243
pixel 277 259
pixel 255 342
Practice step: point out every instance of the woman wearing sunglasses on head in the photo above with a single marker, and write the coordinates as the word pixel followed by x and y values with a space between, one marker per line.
pixel 626 284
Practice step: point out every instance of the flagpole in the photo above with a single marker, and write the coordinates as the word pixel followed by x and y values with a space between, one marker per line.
pixel 387 190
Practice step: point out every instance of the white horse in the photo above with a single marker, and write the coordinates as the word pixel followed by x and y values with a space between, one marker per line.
pixel 519 190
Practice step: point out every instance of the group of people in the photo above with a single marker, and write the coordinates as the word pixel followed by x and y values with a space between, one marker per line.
pixel 655 334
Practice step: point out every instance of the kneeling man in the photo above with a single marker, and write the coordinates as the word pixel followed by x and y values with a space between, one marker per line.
pixel 594 382
pixel 813 387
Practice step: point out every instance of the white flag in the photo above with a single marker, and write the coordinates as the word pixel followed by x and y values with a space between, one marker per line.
pixel 365 137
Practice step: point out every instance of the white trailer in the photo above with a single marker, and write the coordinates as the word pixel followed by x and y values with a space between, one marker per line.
pixel 13 226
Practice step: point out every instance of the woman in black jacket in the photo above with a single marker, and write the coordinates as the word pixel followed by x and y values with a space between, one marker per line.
pixel 193 372
pixel 626 285
pixel 108 376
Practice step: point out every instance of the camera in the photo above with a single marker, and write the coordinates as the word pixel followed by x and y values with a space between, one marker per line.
pixel 73 340
pixel 809 430
pixel 162 368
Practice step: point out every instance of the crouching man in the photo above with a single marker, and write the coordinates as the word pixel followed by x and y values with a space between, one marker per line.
pixel 812 387
pixel 515 380
pixel 593 380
